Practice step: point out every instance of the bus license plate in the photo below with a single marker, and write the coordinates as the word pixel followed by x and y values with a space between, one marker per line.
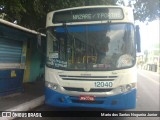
pixel 87 98
pixel 101 84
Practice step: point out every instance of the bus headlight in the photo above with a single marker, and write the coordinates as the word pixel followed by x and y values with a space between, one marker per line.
pixel 128 87
pixel 122 89
pixel 51 85
pixel 125 88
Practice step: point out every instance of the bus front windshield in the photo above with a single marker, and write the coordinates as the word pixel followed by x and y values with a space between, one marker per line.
pixel 91 47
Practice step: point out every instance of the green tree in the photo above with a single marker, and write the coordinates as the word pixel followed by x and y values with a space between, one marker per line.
pixel 146 10
pixel 12 9
pixel 32 13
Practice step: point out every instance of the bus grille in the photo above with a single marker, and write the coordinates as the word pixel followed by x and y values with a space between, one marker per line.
pixel 88 78
pixel 91 90
pixel 88 102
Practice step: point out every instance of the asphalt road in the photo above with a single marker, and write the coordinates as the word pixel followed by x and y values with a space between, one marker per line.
pixel 148 94
pixel 148 99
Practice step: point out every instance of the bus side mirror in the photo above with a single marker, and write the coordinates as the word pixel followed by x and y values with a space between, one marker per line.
pixel 138 39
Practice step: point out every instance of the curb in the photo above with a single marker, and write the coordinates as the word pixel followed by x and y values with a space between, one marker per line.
pixel 25 107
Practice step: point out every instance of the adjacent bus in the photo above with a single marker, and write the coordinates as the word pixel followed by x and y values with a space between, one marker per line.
pixel 91 57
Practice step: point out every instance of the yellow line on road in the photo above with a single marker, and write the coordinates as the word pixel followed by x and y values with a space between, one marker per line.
pixel 149 78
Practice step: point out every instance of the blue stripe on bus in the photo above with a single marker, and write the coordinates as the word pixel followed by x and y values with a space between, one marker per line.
pixel 116 102
pixel 81 28
pixel 91 28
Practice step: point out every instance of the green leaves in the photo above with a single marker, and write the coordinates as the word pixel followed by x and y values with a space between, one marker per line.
pixel 13 9
pixel 147 10
pixel 32 13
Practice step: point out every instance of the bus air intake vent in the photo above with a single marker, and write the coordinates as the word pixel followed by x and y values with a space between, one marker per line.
pixel 91 90
pixel 88 78
pixel 88 102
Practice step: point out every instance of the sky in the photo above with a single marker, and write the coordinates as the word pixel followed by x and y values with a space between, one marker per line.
pixel 150 34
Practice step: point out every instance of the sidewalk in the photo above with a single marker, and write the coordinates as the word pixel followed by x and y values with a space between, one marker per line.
pixel 31 97
pixel 148 71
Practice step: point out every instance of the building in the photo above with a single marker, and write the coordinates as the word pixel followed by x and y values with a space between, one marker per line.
pixel 22 57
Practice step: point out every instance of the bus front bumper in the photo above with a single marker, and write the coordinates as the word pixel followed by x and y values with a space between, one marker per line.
pixel 116 102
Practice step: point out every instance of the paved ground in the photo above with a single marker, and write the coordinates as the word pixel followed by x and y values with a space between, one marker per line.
pixel 31 92
pixel 147 98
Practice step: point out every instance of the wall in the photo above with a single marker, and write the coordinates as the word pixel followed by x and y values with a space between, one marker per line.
pixel 21 60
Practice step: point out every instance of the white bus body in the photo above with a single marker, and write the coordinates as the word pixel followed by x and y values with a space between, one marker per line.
pixel 77 73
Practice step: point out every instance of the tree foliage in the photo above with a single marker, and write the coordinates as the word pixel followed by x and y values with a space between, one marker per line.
pixel 146 10
pixel 32 13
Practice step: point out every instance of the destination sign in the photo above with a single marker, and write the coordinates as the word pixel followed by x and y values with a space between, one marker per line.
pixel 89 14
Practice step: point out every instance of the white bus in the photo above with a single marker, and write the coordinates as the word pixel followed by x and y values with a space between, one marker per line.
pixel 91 57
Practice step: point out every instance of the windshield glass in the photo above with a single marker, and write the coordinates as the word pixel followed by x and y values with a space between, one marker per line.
pixel 91 47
